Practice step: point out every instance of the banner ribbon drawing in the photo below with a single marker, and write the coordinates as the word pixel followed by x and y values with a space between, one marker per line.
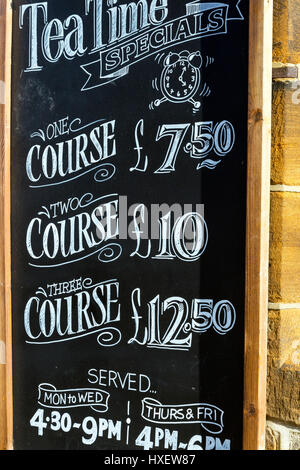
pixel 202 19
pixel 95 398
pixel 208 416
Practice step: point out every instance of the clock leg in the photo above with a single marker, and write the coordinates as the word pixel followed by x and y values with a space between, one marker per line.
pixel 159 102
pixel 196 104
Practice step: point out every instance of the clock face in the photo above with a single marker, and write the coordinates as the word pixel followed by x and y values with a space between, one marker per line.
pixel 180 81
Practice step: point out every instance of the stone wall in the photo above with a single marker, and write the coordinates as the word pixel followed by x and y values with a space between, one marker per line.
pixel 283 386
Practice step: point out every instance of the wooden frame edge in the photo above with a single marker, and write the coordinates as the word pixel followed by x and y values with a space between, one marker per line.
pixel 258 207
pixel 3 430
pixel 7 234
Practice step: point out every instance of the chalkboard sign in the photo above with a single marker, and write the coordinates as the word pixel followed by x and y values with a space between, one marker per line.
pixel 128 223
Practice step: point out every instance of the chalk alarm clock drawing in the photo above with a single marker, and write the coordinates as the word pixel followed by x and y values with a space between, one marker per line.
pixel 180 78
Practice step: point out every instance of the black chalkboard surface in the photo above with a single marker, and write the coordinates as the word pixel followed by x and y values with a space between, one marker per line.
pixel 128 183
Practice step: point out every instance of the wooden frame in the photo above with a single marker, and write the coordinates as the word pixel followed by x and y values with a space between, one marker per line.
pixel 6 410
pixel 257 244
pixel 2 275
pixel 260 79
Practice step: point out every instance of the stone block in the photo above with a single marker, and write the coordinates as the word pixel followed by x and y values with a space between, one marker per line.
pixel 280 436
pixel 285 165
pixel 286 31
pixel 272 439
pixel 284 273
pixel 284 338
pixel 283 390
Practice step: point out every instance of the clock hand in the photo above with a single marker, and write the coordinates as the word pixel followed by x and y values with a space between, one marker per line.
pixel 181 79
